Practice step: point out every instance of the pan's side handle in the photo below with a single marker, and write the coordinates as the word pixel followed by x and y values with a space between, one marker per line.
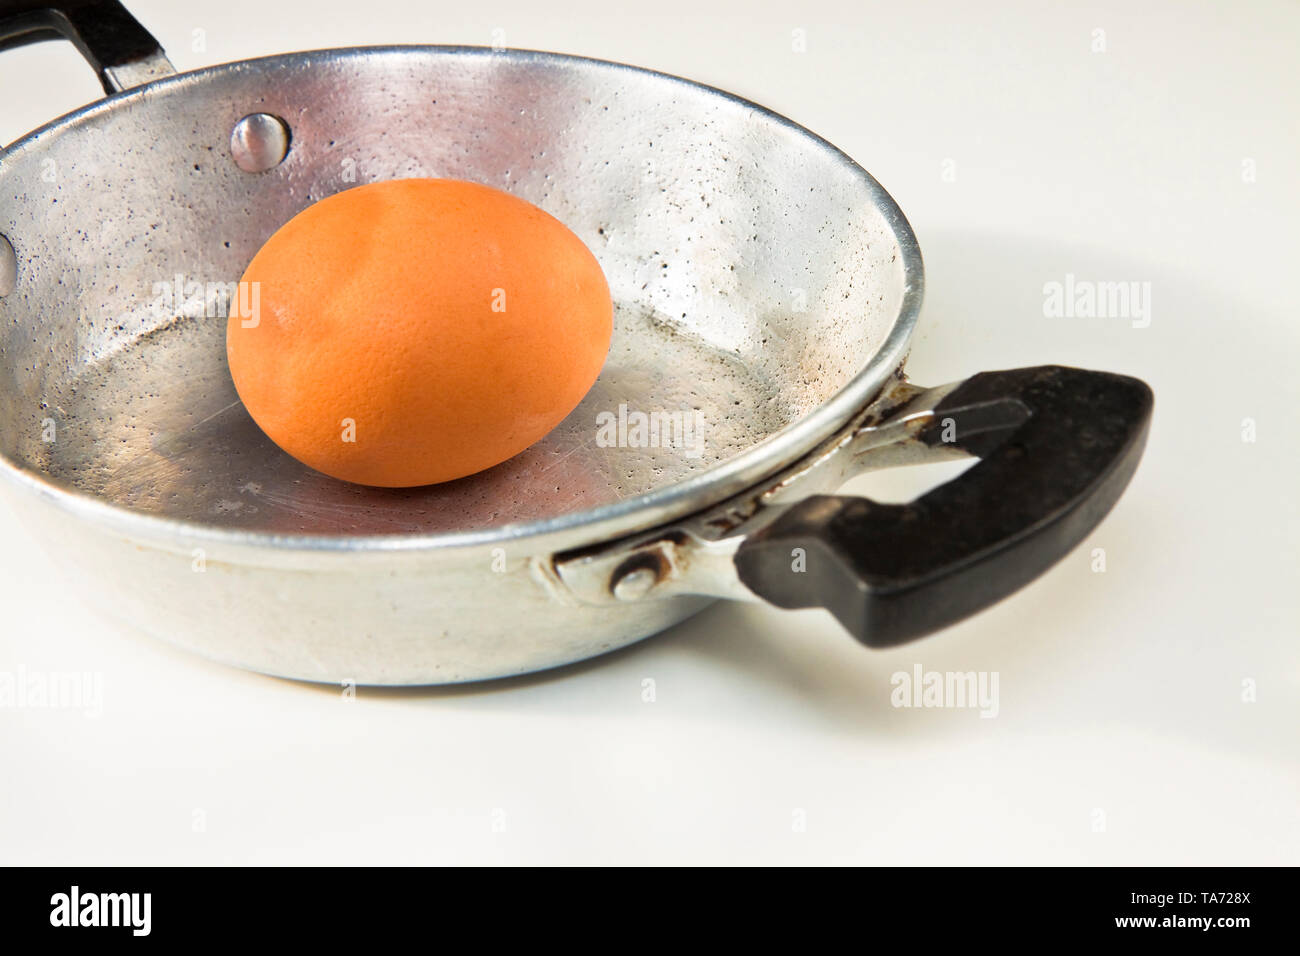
pixel 1058 446
pixel 123 53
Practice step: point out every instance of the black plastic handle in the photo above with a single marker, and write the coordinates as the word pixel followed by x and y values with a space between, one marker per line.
pixel 1058 446
pixel 105 33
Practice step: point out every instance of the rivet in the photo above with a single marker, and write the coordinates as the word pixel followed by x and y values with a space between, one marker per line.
pixel 635 584
pixel 259 142
pixel 8 267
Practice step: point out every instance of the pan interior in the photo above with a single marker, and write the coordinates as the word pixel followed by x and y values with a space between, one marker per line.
pixel 753 269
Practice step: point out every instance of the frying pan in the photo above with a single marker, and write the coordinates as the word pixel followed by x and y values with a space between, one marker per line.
pixel 765 291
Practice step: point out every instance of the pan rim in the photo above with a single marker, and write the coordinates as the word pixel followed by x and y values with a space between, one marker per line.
pixel 639 513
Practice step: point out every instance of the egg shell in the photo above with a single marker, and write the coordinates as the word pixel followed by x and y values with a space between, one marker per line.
pixel 414 331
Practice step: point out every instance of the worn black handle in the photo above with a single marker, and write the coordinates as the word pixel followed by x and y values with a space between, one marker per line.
pixel 105 33
pixel 1058 447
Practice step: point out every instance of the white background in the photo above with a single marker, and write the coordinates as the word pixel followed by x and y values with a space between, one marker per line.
pixel 1121 693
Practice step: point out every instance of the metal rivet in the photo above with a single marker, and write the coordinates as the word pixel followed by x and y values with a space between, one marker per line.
pixel 635 584
pixel 8 267
pixel 259 142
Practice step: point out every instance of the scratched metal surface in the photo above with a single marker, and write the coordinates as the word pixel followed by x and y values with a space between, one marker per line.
pixel 753 276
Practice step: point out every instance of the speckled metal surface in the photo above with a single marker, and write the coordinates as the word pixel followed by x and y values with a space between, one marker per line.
pixel 762 280
pixel 714 224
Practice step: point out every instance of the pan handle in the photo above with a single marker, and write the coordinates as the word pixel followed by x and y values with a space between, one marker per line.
pixel 123 53
pixel 1058 446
